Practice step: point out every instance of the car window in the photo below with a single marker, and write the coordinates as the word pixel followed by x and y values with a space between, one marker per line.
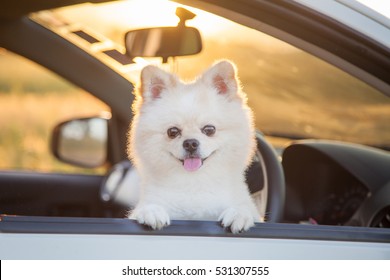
pixel 32 101
pixel 293 93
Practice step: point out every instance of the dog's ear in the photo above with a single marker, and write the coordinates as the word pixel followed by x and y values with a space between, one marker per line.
pixel 154 81
pixel 222 76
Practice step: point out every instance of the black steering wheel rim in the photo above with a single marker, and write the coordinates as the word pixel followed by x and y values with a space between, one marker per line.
pixel 273 179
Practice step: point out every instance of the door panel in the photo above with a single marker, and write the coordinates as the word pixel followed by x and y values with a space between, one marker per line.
pixel 49 194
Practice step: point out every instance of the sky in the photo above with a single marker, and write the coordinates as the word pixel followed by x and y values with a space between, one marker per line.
pixel 382 6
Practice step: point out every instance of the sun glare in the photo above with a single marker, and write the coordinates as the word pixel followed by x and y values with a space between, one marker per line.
pixel 380 6
pixel 160 13
pixel 143 13
pixel 133 14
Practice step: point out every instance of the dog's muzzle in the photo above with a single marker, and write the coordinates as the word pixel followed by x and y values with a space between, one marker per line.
pixel 192 161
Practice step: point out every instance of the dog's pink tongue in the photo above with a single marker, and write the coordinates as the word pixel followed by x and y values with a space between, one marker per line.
pixel 192 164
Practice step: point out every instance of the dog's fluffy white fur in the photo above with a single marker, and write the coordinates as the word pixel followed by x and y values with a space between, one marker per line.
pixel 203 177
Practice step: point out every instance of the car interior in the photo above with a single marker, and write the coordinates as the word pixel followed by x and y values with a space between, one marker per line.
pixel 335 188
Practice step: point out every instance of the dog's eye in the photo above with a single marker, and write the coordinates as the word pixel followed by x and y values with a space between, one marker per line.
pixel 209 130
pixel 173 132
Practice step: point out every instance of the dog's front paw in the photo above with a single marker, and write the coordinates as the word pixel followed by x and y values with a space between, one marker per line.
pixel 152 215
pixel 237 219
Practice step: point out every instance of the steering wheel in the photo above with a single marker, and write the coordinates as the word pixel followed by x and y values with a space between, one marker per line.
pixel 265 179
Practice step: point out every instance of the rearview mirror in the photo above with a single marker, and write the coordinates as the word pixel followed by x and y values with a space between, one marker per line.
pixel 81 142
pixel 163 42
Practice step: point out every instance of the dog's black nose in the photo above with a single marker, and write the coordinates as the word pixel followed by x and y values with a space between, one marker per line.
pixel 191 145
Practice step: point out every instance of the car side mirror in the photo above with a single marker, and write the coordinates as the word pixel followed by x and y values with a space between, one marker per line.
pixel 165 42
pixel 81 142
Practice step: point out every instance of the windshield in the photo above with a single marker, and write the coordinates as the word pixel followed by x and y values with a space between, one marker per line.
pixel 294 94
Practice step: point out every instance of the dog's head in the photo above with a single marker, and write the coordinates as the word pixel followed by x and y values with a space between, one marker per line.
pixel 191 125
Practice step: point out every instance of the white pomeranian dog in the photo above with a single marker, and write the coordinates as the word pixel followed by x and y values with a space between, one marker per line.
pixel 191 144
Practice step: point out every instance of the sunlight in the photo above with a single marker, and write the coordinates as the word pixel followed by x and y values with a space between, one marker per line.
pixel 149 13
pixel 383 7
pixel 136 14
pixel 161 13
